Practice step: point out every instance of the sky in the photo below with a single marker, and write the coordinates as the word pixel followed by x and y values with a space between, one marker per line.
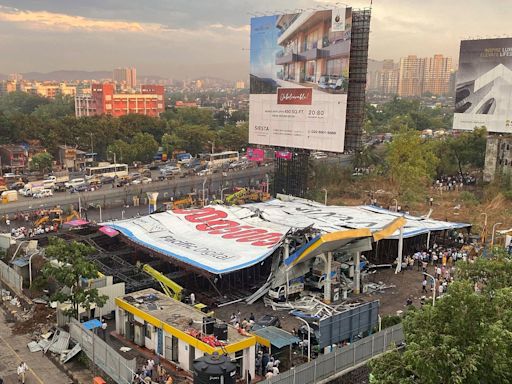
pixel 194 38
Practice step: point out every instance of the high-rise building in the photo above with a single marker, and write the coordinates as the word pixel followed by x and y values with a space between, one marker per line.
pixel 125 76
pixel 410 77
pixel 240 84
pixel 421 75
pixel 437 75
pixel 103 100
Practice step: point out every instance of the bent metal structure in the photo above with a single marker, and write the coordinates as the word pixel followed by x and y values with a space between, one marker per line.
pixel 219 240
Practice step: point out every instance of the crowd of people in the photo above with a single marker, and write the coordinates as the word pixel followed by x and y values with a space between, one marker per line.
pixel 453 183
pixel 152 372
pixel 442 260
pixel 266 364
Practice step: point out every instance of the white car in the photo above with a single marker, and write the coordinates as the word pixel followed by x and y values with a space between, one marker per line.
pixel 144 180
pixel 43 193
pixel 74 183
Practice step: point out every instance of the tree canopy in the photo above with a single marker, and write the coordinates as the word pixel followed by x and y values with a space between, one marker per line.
pixel 464 338
pixel 68 266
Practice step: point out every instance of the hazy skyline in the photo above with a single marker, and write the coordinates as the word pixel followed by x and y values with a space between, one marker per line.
pixel 180 39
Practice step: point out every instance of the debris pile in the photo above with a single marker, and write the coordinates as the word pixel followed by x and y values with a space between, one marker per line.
pixel 57 342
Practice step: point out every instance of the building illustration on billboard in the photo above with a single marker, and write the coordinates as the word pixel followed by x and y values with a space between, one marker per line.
pixel 484 85
pixel 299 79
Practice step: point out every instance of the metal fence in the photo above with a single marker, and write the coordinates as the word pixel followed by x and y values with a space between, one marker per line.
pixel 341 360
pixel 107 358
pixel 10 277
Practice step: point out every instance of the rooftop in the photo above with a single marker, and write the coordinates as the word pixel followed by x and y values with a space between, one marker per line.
pixel 173 313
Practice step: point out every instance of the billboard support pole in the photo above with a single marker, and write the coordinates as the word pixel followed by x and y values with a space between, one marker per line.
pixel 327 285
pixel 357 274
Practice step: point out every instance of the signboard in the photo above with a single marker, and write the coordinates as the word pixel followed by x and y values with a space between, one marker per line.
pixel 217 239
pixel 255 154
pixel 299 79
pixel 348 324
pixel 301 213
pixel 484 85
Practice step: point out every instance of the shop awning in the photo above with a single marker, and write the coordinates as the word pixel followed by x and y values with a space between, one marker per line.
pixel 274 336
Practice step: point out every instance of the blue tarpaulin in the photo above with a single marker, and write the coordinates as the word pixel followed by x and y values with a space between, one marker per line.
pixel 91 324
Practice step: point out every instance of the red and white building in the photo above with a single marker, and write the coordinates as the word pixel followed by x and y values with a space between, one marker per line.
pixel 104 100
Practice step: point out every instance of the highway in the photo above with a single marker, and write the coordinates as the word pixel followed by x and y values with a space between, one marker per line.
pixel 109 197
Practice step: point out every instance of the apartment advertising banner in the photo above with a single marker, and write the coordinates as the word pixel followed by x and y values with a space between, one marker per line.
pixel 484 85
pixel 299 79
pixel 214 238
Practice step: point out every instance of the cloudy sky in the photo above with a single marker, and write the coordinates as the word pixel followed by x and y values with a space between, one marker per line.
pixel 190 38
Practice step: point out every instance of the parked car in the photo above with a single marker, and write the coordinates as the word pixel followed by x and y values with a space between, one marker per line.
pixel 268 320
pixel 42 193
pixel 9 175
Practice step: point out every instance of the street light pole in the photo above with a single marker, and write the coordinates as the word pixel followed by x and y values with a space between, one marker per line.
pixel 267 178
pixel 222 193
pixel 434 293
pixel 493 231
pixel 101 217
pixel 324 190
pixel 309 336
pixel 204 183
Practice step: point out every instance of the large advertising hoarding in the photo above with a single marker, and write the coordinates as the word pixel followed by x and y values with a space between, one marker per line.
pixel 299 79
pixel 484 85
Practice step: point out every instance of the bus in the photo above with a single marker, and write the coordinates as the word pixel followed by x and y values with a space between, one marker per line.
pixel 219 159
pixel 109 170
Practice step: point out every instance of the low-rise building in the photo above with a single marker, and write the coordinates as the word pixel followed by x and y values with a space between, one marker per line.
pixel 171 329
pixel 14 157
pixel 104 100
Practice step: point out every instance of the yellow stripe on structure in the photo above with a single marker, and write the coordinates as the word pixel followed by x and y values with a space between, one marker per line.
pixel 183 336
pixel 262 341
pixel 332 237
pixel 388 230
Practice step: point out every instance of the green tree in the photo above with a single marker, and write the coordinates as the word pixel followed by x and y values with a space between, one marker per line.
pixel 42 161
pixel 167 143
pixel 464 338
pixel 144 147
pixel 61 106
pixel 21 102
pixel 68 266
pixel 234 137
pixel 193 138
pixel 411 163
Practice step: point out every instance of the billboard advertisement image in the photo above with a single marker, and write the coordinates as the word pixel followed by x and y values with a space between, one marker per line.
pixel 299 79
pixel 484 85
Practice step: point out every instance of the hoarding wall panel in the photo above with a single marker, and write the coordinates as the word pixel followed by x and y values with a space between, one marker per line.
pixel 483 94
pixel 299 79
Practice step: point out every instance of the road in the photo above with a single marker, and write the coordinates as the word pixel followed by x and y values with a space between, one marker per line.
pixel 13 349
pixel 109 197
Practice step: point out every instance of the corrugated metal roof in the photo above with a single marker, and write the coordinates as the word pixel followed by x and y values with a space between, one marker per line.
pixel 278 337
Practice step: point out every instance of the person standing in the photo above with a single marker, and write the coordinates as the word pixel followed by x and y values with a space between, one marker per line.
pixel 22 370
pixel 104 329
pixel 424 285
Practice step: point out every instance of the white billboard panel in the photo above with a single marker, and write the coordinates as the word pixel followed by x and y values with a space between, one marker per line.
pixel 299 79
pixel 484 85
pixel 214 238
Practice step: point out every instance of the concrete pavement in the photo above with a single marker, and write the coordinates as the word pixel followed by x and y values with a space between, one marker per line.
pixel 13 350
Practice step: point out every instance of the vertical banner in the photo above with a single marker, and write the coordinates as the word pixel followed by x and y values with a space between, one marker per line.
pixel 338 19
pixel 152 197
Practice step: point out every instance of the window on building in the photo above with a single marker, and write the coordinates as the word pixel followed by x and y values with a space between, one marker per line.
pixel 311 71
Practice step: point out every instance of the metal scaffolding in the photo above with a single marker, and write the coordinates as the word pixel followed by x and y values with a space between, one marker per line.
pixel 356 98
pixel 291 176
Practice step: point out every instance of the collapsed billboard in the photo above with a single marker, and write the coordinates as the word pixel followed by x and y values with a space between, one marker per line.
pixel 484 85
pixel 216 239
pixel 299 79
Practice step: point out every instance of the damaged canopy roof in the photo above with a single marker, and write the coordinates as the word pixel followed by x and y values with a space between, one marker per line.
pixel 300 213
pixel 217 239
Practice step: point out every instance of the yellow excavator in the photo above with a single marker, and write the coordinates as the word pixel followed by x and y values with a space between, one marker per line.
pixel 246 195
pixel 186 202
pixel 171 288
pixel 56 216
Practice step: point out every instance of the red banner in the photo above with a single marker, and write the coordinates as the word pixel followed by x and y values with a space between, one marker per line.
pixel 298 96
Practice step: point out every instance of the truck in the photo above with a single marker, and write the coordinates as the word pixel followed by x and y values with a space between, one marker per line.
pixel 294 289
pixel 9 196
pixel 30 188
pixel 59 177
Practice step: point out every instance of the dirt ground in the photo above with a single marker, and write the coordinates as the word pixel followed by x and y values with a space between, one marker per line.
pixel 407 284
